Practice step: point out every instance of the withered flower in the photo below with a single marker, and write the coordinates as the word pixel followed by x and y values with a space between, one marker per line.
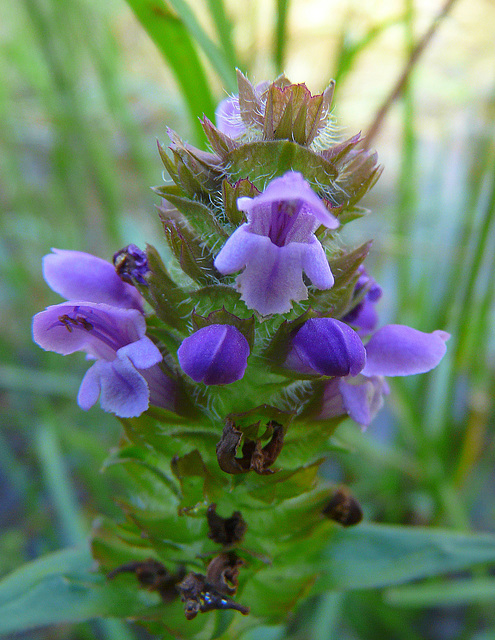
pixel 201 593
pixel 225 531
pixel 343 508
pixel 153 576
pixel 254 456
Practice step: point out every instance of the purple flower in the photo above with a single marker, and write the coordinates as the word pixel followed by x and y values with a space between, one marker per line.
pixel 277 244
pixel 327 347
pixel 104 319
pixel 228 113
pixel 115 338
pixel 216 354
pixel 228 117
pixel 394 350
pixel 364 316
pixel 76 275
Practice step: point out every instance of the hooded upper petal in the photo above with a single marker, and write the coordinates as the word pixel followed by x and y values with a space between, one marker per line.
pixel 76 275
pixel 97 329
pixel 398 350
pixel 294 193
pixel 327 347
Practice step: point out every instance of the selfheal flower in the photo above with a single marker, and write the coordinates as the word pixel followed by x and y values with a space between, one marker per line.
pixel 76 275
pixel 364 316
pixel 277 244
pixel 216 354
pixel 394 350
pixel 327 347
pixel 115 338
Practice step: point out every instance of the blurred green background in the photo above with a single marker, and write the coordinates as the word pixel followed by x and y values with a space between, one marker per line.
pixel 87 87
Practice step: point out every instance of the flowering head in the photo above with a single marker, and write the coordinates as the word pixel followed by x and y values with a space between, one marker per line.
pixel 277 245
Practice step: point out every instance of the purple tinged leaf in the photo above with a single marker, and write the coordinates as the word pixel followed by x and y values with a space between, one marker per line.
pixel 326 346
pixel 76 275
pixel 398 350
pixel 216 354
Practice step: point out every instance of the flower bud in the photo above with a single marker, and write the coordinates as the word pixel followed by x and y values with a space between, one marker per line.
pixel 327 347
pixel 216 354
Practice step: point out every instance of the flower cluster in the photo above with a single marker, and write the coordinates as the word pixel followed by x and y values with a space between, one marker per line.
pixel 270 330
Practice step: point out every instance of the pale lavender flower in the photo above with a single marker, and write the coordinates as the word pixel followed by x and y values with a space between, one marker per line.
pixel 216 354
pixel 115 338
pixel 394 350
pixel 325 346
pixel 104 319
pixel 277 244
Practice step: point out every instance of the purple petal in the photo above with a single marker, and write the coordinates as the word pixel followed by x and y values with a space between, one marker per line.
pixel 332 402
pixel 327 347
pixel 272 279
pixel 76 275
pixel 163 389
pixel 364 317
pixel 315 265
pixel 143 353
pixel 363 398
pixel 97 329
pixel 216 354
pixel 236 252
pixel 228 117
pixel 291 190
pixel 397 350
pixel 122 389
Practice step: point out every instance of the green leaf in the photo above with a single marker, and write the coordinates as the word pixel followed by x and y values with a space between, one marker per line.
pixel 60 588
pixel 435 594
pixel 372 555
pixel 215 56
pixel 262 161
pixel 171 37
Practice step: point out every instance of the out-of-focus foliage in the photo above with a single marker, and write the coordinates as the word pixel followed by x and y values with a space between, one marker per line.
pixel 84 94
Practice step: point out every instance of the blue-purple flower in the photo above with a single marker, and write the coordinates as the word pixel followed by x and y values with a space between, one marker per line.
pixel 394 350
pixel 105 320
pixel 277 245
pixel 364 316
pixel 325 346
pixel 216 354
